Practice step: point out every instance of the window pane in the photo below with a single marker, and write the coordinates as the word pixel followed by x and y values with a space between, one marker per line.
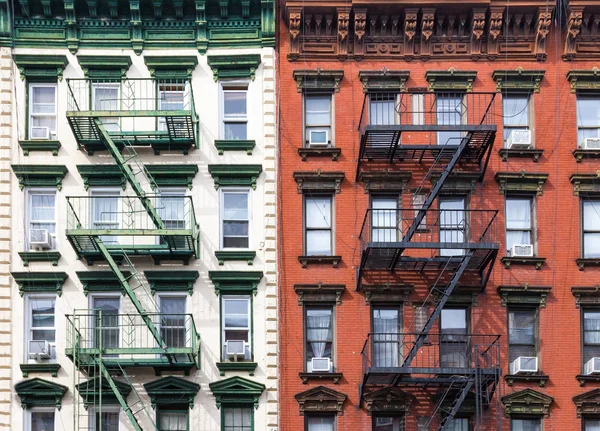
pixel 170 100
pixel 525 425
pixel 318 243
pixel 42 207
pixel 235 103
pixel 588 112
pixel 591 327
pixel 318 212
pixel 515 110
pixel 592 424
pixel 236 313
pixel 454 321
pixel 320 423
pixel 235 206
pixel 518 213
pixel 318 110
pixel 173 421
pixel 42 421
pixel 237 419
pixel 106 421
pixel 106 98
pixel 591 215
pixel 235 131
pixel 458 424
pixel 382 109
pixel 43 100
pixel 521 327
pixel 591 245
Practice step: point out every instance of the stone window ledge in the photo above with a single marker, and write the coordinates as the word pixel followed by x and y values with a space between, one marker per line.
pixel 236 366
pixel 233 255
pixel 40 256
pixel 584 378
pixel 580 154
pixel 583 262
pixel 51 368
pixel 335 377
pixel 223 145
pixel 538 262
pixel 540 379
pixel 305 153
pixel 39 145
pixel 532 153
pixel 334 261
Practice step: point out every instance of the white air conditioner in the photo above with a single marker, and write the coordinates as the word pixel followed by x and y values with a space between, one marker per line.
pixel 39 349
pixel 521 250
pixel 524 364
pixel 590 144
pixel 318 138
pixel 40 239
pixel 235 348
pixel 321 364
pixel 40 132
pixel 519 139
pixel 592 366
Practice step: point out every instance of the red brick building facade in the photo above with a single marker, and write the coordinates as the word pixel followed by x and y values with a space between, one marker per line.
pixel 501 103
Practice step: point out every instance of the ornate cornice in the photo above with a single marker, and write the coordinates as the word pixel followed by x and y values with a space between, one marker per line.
pixel 235 175
pixel 101 176
pixel 173 175
pixel 96 389
pixel 319 181
pixel 585 183
pixel 318 79
pixel 41 67
pixel 527 402
pixel 164 67
pixel 40 282
pixel 40 175
pixel 388 400
pixel 330 293
pixel 451 79
pixel 583 33
pixel 584 80
pixel 524 294
pixel 232 282
pixel 388 293
pixel 234 66
pixel 586 295
pixel 40 393
pixel 383 80
pixel 172 281
pixel 321 400
pixel 392 181
pixel 171 391
pixel 588 403
pixel 104 66
pixel 521 182
pixel 236 391
pixel 518 80
pixel 101 281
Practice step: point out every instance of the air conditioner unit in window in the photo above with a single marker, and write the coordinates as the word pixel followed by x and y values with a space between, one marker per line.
pixel 318 138
pixel 524 364
pixel 521 250
pixel 519 139
pixel 40 132
pixel 235 348
pixel 592 366
pixel 40 239
pixel 321 365
pixel 39 349
pixel 590 144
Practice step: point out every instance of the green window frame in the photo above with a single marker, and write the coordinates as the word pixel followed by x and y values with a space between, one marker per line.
pixel 237 417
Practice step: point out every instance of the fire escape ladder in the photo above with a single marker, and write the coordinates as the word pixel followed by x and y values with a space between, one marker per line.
pixel 461 394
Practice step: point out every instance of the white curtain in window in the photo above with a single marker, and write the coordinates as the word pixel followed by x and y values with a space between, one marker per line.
pixel 173 421
pixel 518 216
pixel 385 339
pixel 525 425
pixel 320 424
pixel 592 425
pixel 591 327
pixel 458 424
pixel 385 219
pixel 319 328
pixel 43 212
pixel 42 421
pixel 591 227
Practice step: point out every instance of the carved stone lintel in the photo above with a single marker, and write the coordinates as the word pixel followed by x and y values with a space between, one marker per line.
pixel 318 79
pixel 524 294
pixel 573 31
pixel 319 181
pixel 306 377
pixel 541 379
pixel 331 293
pixel 321 400
pixel 588 403
pixel 334 261
pixel 585 183
pixel 388 293
pixel 385 181
pixel 528 402
pixel 521 182
pixel 388 400
pixel 586 295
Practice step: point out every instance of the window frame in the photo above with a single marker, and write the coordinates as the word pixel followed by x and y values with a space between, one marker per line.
pixel 95 192
pixel 465 231
pixel 384 306
pixel 532 217
pixel 186 311
pixel 28 415
pixel 306 229
pixel 517 418
pixel 250 329
pixel 463 116
pixel 160 410
pixel 313 415
pixel 582 96
pixel 161 122
pixel 105 409
pixel 530 116
pixel 237 406
pixel 172 192
pixel 30 114
pixel 321 306
pixel 234 190
pixel 468 312
pixel 29 299
pixel 586 418
pixel 331 138
pixel 396 116
pixel 398 199
pixel 233 86
pixel 92 317
pixel 536 331
pixel 585 198
pixel 582 343
pixel 104 85
pixel 29 192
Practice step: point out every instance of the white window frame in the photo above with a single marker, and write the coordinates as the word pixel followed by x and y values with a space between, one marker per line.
pixel 184 296
pixel 29 211
pixel 329 128
pixel 223 191
pixel 249 345
pixel 585 96
pixel 172 192
pixel 95 295
pixel 108 121
pixel 532 221
pixel 373 103
pixel 233 86
pixel 105 409
pixel 594 202
pixel 30 298
pixel 28 413
pixel 53 133
pixel 306 229
pixel 522 126
pixel 162 122
pixel 105 192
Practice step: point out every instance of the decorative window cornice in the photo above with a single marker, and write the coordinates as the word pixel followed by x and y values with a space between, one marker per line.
pixel 586 295
pixel 235 175
pixel 319 181
pixel 234 66
pixel 462 295
pixel 100 281
pixel 459 182
pixel 444 399
pixel 171 390
pixel 51 368
pixel 451 80
pixel 321 400
pixel 584 80
pixel 171 281
pixel 37 256
pixel 521 182
pixel 233 255
pixel 524 295
pixel 388 293
pixel 518 80
pixel 101 176
pixel 95 389
pixel 41 67
pixel 318 79
pixel 246 145
pixel 236 391
pixel 383 80
pixel 173 175
pixel 585 183
pixel 104 66
pixel 388 400
pixel 527 402
pixel 40 393
pixel 40 175
pixel 588 403
pixel 171 67
pixel 392 181
pixel 39 145
pixel 235 282
pixel 330 293
pixel 40 282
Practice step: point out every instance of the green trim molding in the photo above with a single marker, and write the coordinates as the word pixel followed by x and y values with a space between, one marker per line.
pixel 40 393
pixel 104 66
pixel 101 281
pixel 246 145
pixel 40 282
pixel 235 175
pixel 41 68
pixel 451 79
pixel 235 282
pixel 383 80
pixel 518 80
pixel 248 367
pixel 172 281
pixel 164 67
pixel 40 175
pixel 40 256
pixel 584 80
pixel 521 182
pixel 41 367
pixel 234 66
pixel 102 176
pixel 527 402
pixel 96 389
pixel 318 79
pixel 171 390
pixel 173 175
pixel 236 390
pixel 233 255
pixel 39 145
pixel 524 295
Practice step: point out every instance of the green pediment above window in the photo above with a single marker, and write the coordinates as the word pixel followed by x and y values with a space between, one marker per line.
pixel 173 175
pixel 93 390
pixel 235 175
pixel 584 80
pixel 234 66
pixel 40 175
pixel 171 281
pixel 235 282
pixel 171 391
pixel 41 68
pixel 518 80
pixel 40 282
pixel 162 67
pixel 101 176
pixel 40 393
pixel 451 79
pixel 101 281
pixel 528 403
pixel 236 390
pixel 104 66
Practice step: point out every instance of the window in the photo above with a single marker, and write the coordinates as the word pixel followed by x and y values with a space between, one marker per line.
pixel 172 420
pixel 318 239
pixel 423 423
pixel 171 209
pixel 105 213
pixel 519 226
pixel 382 109
pixel 384 223
pixel 449 112
pixel 41 326
pixel 106 419
pixel 421 317
pixel 105 97
pixel 418 201
pixel 320 423
pixel 317 120
pixel 388 423
pixel 458 424
pixel 106 321
pixel 173 321
pixel 171 97
pixel 591 425
pixel 235 219
pixel 526 425
pixel 387 325
pixel 42 219
pixel 453 339
pixel 591 334
pixel 522 333
pixel 237 419
pixel 453 223
pixel 41 419
pixel 42 111
pixel 515 114
pixel 236 323
pixel 318 323
pixel 235 112
pixel 591 229
pixel 588 118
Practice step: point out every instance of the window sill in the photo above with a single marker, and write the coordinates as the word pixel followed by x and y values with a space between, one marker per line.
pixel 538 262
pixel 236 366
pixel 584 378
pixel 232 255
pixel 580 154
pixel 583 262
pixel 39 145
pixel 40 256
pixel 246 145
pixel 541 379
pixel 327 260
pixel 305 153
pixel 305 377
pixel 49 367
pixel 532 153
